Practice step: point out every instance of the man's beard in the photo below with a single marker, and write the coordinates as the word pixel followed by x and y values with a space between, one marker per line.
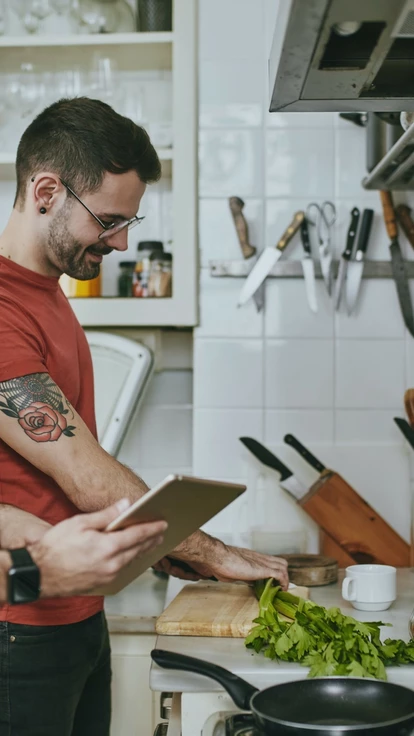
pixel 69 254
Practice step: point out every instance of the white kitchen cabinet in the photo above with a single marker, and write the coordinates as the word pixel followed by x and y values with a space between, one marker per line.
pixel 135 708
pixel 175 51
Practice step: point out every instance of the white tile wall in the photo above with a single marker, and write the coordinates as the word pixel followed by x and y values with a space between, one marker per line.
pixel 159 440
pixel 335 382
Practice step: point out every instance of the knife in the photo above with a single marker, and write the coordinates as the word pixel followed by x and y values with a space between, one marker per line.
pixel 268 259
pixel 407 431
pixel 308 267
pixel 346 257
pixel 356 266
pixel 249 251
pixel 406 222
pixel 397 262
pixel 288 481
pixel 303 452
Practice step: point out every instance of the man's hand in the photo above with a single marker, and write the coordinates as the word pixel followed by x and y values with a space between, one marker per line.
pixel 227 564
pixel 239 564
pixel 77 555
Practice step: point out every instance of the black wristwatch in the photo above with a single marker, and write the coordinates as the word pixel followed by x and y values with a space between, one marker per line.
pixel 23 582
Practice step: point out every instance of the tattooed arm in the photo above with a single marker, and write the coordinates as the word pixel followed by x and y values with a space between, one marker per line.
pixel 38 422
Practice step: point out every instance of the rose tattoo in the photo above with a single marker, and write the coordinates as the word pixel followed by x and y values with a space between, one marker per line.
pixel 41 417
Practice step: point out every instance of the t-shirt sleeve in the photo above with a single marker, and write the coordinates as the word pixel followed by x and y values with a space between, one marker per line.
pixel 22 349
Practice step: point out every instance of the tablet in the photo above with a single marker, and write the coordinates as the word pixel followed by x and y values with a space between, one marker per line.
pixel 186 503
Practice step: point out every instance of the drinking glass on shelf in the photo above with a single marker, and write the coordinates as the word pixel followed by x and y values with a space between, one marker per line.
pixel 61 7
pixel 40 8
pixel 23 8
pixel 95 17
pixel 102 83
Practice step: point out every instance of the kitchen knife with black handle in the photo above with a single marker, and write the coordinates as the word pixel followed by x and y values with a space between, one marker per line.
pixel 397 262
pixel 287 479
pixel 249 251
pixel 268 258
pixel 308 267
pixel 406 429
pixel 304 452
pixel 346 257
pixel 406 222
pixel 356 266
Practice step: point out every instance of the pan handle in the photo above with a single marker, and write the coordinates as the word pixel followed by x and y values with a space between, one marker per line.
pixel 239 690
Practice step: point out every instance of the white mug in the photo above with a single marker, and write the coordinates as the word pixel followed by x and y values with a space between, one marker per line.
pixel 370 587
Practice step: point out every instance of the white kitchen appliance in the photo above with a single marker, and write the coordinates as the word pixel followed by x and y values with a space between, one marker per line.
pixel 122 372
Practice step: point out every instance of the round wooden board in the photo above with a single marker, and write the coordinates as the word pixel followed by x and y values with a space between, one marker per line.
pixel 311 570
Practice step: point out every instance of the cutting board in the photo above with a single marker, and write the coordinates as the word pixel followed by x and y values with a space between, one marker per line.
pixel 213 609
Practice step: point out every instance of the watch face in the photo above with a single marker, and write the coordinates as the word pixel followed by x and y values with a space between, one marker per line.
pixel 23 578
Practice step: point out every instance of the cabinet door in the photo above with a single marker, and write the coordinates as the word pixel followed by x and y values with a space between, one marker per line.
pixel 134 705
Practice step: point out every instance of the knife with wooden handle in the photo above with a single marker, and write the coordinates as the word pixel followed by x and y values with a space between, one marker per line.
pixel 249 251
pixel 268 259
pixel 397 262
pixel 406 222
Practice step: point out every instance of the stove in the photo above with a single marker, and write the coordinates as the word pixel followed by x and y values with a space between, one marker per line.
pixel 230 723
pixel 241 723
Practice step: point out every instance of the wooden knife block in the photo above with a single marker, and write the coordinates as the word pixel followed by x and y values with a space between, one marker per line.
pixel 354 532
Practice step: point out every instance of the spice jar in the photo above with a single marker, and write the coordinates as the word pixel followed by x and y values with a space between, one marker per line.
pixel 125 278
pixel 143 266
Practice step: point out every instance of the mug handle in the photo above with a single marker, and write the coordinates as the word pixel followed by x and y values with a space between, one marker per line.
pixel 348 593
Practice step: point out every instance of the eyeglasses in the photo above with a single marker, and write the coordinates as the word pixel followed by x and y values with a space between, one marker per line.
pixel 114 227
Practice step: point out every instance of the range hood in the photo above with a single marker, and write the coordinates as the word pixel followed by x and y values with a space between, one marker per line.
pixel 343 55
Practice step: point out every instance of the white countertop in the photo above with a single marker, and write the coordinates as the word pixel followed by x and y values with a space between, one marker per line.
pixel 262 672
pixel 135 609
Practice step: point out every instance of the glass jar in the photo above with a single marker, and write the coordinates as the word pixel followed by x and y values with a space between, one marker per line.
pixel 167 274
pixel 159 284
pixel 143 266
pixel 125 278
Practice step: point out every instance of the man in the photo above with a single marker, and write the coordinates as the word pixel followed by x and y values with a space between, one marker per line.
pixel 82 170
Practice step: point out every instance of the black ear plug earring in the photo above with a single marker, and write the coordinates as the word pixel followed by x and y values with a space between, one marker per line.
pixel 42 210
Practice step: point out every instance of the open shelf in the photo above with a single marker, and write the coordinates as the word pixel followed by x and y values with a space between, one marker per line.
pixel 98 39
pixel 130 312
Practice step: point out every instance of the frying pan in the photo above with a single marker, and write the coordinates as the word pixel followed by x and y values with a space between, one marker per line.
pixel 325 706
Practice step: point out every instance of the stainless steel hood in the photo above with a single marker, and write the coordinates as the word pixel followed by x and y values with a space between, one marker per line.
pixel 343 55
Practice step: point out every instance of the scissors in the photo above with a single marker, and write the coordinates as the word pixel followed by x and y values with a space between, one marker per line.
pixel 324 217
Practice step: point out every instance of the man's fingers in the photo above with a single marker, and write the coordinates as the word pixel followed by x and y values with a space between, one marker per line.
pixel 137 534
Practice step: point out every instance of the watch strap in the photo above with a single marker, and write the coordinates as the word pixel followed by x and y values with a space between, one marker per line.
pixel 23 577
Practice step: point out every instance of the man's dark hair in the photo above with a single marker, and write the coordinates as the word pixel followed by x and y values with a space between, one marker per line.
pixel 80 140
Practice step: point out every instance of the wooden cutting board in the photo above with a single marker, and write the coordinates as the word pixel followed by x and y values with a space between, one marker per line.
pixel 213 609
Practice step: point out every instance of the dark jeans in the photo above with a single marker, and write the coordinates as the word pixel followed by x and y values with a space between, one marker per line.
pixel 55 680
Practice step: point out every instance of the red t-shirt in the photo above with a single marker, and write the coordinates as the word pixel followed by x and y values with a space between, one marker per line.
pixel 39 333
